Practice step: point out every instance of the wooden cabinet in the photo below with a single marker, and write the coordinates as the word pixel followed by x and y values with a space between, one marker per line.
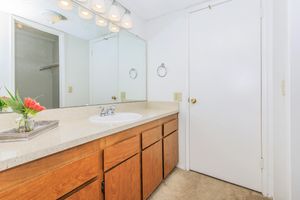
pixel 51 177
pixel 170 127
pixel 151 136
pixel 130 164
pixel 122 168
pixel 123 182
pixel 170 152
pixel 115 154
pixel 152 170
pixel 91 191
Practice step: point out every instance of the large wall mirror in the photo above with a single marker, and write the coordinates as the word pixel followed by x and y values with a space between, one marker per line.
pixel 64 60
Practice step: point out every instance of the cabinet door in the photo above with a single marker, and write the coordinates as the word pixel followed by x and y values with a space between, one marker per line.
pixel 170 153
pixel 152 168
pixel 90 192
pixel 124 181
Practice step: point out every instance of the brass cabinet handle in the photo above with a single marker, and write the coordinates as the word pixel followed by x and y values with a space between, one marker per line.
pixel 193 100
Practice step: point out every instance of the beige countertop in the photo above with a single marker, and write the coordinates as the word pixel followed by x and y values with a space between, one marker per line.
pixel 74 129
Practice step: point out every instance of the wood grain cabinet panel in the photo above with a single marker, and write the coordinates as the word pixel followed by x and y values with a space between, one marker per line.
pixel 170 153
pixel 124 181
pixel 151 136
pixel 129 162
pixel 89 192
pixel 56 183
pixel 121 151
pixel 152 168
pixel 170 127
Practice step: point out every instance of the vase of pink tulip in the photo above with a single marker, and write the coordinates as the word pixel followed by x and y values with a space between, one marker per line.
pixel 26 109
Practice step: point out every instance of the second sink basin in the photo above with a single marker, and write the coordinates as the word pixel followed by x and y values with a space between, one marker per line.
pixel 116 118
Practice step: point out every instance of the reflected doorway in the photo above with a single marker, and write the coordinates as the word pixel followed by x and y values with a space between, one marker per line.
pixel 37 65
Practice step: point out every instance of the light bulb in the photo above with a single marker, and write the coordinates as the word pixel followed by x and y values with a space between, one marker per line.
pixel 114 13
pixel 99 6
pixel 127 21
pixel 114 28
pixel 65 4
pixel 84 13
pixel 101 21
pixel 19 26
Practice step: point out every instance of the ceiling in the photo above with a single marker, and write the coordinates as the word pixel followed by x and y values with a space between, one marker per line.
pixel 149 9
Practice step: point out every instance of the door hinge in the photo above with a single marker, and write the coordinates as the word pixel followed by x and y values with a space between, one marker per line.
pixel 103 187
pixel 262 163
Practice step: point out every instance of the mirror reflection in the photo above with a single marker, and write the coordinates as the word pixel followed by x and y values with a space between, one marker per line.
pixel 65 60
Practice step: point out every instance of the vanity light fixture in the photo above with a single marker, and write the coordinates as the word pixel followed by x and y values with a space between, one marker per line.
pixel 99 6
pixel 65 4
pixel 100 21
pixel 19 25
pixel 114 16
pixel 114 28
pixel 127 21
pixel 53 17
pixel 84 13
pixel 114 13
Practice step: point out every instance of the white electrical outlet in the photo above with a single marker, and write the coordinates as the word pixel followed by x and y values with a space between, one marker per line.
pixel 178 96
pixel 70 89
pixel 283 88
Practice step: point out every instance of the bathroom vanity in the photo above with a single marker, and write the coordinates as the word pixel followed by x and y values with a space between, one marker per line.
pixel 125 160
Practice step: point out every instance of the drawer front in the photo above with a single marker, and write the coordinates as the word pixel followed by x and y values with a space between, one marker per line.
pixel 151 136
pixel 90 192
pixel 119 152
pixel 170 127
pixel 56 183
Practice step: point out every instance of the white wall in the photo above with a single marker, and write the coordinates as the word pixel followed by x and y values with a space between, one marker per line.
pixel 77 70
pixel 168 43
pixel 281 103
pixel 5 50
pixel 139 27
pixel 295 95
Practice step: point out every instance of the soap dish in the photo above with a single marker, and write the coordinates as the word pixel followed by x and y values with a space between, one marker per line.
pixel 40 127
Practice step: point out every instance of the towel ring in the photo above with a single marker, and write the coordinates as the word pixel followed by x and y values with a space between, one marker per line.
pixel 162 70
pixel 133 74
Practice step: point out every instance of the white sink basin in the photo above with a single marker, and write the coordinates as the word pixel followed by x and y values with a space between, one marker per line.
pixel 116 118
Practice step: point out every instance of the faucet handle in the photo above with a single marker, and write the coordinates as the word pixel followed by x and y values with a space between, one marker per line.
pixel 112 109
pixel 103 110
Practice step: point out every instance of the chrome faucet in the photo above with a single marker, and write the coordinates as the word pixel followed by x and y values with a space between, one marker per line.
pixel 107 110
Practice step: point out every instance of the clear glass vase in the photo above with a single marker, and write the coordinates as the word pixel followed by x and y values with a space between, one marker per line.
pixel 24 124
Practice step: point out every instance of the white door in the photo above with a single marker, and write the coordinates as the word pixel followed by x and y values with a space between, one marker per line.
pixel 225 78
pixel 104 70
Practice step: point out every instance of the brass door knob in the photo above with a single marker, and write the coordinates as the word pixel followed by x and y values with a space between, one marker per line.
pixel 114 98
pixel 193 100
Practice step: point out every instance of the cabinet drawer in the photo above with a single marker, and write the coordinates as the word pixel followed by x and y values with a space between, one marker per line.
pixel 151 136
pixel 90 192
pixel 56 183
pixel 170 127
pixel 119 152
